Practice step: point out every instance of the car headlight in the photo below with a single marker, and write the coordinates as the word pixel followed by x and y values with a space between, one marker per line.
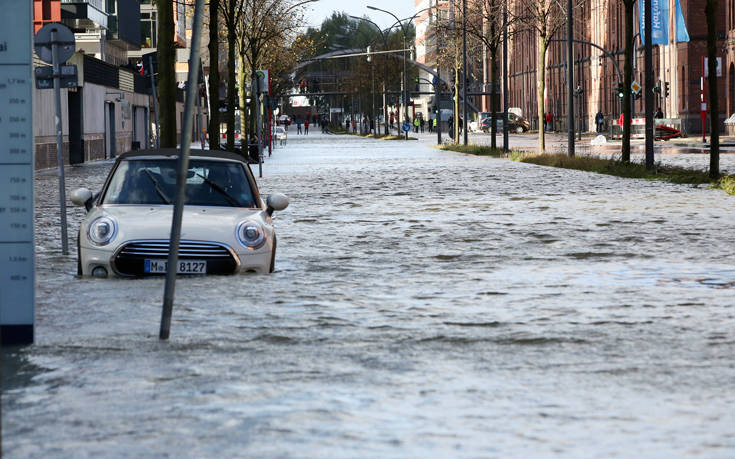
pixel 102 230
pixel 251 234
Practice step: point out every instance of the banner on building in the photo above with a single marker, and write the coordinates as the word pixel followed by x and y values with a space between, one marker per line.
pixel 682 35
pixel 660 22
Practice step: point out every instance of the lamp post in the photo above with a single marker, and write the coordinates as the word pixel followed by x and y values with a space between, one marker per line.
pixel 464 72
pixel 405 82
pixel 385 77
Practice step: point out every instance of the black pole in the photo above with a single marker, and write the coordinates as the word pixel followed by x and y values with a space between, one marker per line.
pixel 192 91
pixel 464 72
pixel 506 147
pixel 648 87
pixel 570 77
pixel 438 99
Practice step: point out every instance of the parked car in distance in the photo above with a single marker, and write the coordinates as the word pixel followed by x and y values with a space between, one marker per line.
pixel 226 226
pixel 516 123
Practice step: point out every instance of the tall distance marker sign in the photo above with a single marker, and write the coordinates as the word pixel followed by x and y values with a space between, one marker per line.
pixel 16 174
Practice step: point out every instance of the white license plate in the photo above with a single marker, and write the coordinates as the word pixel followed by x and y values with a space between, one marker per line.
pixel 183 266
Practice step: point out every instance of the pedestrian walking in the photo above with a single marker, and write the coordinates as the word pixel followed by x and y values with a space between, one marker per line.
pixel 431 124
pixel 451 126
pixel 549 121
pixel 298 126
pixel 599 121
pixel 422 122
pixel 416 124
pixel 354 126
pixel 306 127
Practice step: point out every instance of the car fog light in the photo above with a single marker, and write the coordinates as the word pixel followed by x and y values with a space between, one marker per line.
pixel 99 271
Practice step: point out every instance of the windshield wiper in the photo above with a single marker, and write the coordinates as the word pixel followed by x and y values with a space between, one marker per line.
pixel 220 190
pixel 157 186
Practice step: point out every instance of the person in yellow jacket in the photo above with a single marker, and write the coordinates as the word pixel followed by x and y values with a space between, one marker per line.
pixel 416 124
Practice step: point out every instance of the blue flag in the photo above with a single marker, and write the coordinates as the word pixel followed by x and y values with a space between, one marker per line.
pixel 681 27
pixel 659 21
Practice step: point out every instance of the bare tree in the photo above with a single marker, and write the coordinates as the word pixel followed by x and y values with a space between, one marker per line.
pixel 166 74
pixel 265 27
pixel 546 18
pixel 214 79
pixel 232 11
pixel 485 23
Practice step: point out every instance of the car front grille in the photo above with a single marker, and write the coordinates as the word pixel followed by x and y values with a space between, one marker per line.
pixel 130 259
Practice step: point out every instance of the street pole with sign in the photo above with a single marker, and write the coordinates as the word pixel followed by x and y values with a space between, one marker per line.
pixel 54 44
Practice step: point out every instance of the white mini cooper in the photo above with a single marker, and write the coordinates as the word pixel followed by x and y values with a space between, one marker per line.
pixel 226 227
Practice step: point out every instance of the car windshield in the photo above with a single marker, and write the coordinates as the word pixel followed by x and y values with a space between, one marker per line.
pixel 153 181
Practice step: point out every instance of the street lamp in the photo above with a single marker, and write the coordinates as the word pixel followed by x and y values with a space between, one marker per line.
pixel 405 82
pixel 385 77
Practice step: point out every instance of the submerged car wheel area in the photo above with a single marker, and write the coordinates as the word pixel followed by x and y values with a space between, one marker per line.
pixel 226 226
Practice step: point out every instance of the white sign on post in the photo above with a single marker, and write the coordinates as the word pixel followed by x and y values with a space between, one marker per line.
pixel 16 174
pixel 718 66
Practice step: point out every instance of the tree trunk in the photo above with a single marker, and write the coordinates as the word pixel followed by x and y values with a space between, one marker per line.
pixel 456 102
pixel 241 102
pixel 166 75
pixel 541 83
pixel 494 99
pixel 231 90
pixel 714 109
pixel 627 80
pixel 213 128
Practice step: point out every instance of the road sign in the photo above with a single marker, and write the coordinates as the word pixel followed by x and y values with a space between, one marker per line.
pixel 635 87
pixel 64 38
pixel 406 127
pixel 45 76
pixel 17 295
pixel 718 66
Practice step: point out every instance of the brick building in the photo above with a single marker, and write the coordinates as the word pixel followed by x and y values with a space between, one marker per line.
pixel 602 22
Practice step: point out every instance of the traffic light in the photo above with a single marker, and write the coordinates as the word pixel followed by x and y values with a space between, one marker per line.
pixel 666 89
pixel 620 91
pixel 657 88
pixel 369 57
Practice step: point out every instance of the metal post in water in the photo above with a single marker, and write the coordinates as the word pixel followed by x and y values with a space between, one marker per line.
pixel 648 85
pixel 505 78
pixel 570 77
pixel 155 100
pixel 59 140
pixel 464 72
pixel 438 98
pixel 183 165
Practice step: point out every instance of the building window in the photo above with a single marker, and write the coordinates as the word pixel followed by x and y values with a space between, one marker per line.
pixel 148 30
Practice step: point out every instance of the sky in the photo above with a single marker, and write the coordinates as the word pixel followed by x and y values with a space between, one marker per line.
pixel 319 11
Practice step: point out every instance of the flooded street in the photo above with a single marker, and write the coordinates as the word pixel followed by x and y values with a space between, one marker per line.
pixel 425 304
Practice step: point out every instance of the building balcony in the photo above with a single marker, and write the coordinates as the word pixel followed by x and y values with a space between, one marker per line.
pixel 84 14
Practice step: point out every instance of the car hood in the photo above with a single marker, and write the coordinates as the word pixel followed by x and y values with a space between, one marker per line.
pixel 198 222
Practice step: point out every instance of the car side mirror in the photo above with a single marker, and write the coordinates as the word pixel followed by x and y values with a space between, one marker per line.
pixel 276 201
pixel 82 197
